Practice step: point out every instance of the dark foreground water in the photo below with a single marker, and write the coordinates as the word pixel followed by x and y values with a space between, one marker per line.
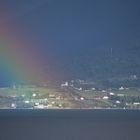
pixel 69 124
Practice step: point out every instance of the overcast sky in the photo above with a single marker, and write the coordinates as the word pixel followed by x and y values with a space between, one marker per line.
pixel 70 23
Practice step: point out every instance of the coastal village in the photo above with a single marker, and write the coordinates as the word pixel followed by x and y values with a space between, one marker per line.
pixel 74 94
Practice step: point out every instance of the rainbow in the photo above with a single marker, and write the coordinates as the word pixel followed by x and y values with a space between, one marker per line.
pixel 19 57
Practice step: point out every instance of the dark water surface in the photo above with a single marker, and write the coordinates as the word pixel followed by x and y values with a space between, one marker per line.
pixel 69 124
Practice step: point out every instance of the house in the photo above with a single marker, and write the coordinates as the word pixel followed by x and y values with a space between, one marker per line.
pixel 136 103
pixel 51 95
pixel 118 102
pixel 23 95
pixel 66 84
pixel 36 103
pixel 103 91
pixel 111 93
pixel 34 94
pixel 13 105
pixel 40 106
pixel 105 97
pixel 93 88
pixel 82 98
pixel 27 102
pixel 121 88
pixel 80 88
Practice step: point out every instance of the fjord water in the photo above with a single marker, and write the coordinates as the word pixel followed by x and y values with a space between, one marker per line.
pixel 70 124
